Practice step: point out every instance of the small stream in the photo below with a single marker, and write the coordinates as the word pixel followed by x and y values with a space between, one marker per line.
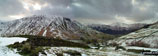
pixel 4 41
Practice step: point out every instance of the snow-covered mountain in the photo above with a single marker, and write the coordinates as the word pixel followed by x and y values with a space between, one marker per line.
pixel 117 28
pixel 52 26
pixel 3 26
pixel 120 24
pixel 145 37
pixel 128 26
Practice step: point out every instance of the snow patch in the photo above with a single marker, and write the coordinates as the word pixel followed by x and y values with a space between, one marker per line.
pixel 44 34
pixel 4 41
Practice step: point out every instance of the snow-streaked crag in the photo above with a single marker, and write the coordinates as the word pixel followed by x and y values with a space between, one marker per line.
pixel 50 26
pixel 3 26
pixel 146 37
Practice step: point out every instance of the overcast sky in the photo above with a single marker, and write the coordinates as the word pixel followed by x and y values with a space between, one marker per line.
pixel 85 11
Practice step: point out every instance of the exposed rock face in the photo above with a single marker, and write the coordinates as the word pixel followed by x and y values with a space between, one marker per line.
pixel 56 27
pixel 146 37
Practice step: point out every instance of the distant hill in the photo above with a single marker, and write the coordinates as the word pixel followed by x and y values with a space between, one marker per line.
pixel 145 37
pixel 117 28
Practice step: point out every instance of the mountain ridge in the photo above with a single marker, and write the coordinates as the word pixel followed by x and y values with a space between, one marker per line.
pixel 117 29
pixel 55 27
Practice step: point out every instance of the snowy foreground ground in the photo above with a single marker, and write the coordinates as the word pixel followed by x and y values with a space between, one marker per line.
pixel 5 51
pixel 108 51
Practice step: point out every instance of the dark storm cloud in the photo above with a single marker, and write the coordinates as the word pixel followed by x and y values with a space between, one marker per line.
pixel 100 11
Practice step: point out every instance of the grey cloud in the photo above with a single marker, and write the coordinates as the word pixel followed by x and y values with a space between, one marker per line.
pixel 149 12
pixel 98 10
pixel 8 7
pixel 59 10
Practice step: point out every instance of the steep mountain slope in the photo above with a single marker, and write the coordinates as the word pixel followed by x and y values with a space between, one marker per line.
pixel 3 26
pixel 56 27
pixel 145 37
pixel 117 28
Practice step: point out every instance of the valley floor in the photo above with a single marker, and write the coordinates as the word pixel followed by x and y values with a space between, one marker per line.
pixel 66 51
pixel 108 51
